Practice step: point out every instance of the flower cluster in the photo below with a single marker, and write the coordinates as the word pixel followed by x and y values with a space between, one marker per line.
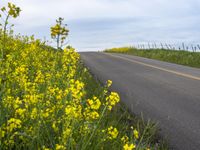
pixel 48 100
pixel 112 100
pixel 43 101
pixel 59 32
pixel 112 133
pixel 12 10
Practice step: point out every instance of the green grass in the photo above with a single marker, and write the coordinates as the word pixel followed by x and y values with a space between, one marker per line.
pixel 186 58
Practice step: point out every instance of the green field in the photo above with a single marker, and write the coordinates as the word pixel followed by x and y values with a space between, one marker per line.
pixel 186 58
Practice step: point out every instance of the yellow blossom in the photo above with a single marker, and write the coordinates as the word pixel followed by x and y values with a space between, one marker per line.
pixel 94 103
pixel 60 147
pixel 136 134
pixel 129 147
pixel 112 100
pixel 124 139
pixel 109 83
pixel 20 112
pixel 13 124
pixel 66 133
pixel 112 132
pixel 2 133
pixel 54 126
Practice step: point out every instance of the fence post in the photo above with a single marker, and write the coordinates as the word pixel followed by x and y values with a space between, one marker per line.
pixel 195 48
pixel 149 46
pixel 170 47
pixel 198 46
pixel 192 48
pixel 161 45
pixel 155 45
pixel 183 46
pixel 167 46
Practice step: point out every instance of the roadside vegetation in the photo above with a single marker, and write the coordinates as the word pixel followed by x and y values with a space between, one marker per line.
pixel 49 100
pixel 186 58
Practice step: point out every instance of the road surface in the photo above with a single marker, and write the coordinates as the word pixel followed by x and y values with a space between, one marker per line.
pixel 164 92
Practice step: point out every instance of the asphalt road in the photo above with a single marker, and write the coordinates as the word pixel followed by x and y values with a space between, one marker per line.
pixel 164 92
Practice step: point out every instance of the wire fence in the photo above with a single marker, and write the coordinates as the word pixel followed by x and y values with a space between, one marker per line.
pixel 183 46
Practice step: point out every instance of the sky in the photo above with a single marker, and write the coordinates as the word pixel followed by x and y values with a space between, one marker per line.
pixel 99 24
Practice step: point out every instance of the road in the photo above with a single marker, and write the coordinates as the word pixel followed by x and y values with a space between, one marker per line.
pixel 163 92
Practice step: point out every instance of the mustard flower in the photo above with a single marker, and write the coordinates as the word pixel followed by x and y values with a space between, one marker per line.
pixel 129 147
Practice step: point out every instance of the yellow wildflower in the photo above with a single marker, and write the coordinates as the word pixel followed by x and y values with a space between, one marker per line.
pixel 136 134
pixel 66 133
pixel 129 147
pixel 112 132
pixel 34 113
pixel 90 114
pixel 60 147
pixel 112 100
pixel 44 148
pixel 20 112
pixel 13 124
pixel 54 126
pixel 95 103
pixel 94 115
pixel 109 83
pixel 124 139
pixel 2 133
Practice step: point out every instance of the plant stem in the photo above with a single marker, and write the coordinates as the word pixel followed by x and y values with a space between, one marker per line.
pixel 4 35
pixel 102 114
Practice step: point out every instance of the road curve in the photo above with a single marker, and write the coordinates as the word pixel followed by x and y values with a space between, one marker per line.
pixel 164 92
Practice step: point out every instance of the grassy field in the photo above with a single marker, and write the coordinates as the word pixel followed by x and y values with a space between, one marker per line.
pixel 49 100
pixel 174 56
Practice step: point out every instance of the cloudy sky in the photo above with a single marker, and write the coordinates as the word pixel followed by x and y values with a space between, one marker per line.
pixel 100 24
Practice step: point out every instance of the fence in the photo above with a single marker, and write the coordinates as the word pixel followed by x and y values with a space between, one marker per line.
pixel 183 46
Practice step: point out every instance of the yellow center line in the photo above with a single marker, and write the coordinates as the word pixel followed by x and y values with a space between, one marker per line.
pixel 159 68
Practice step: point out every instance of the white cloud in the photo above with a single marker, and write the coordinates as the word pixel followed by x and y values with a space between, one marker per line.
pixel 162 18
